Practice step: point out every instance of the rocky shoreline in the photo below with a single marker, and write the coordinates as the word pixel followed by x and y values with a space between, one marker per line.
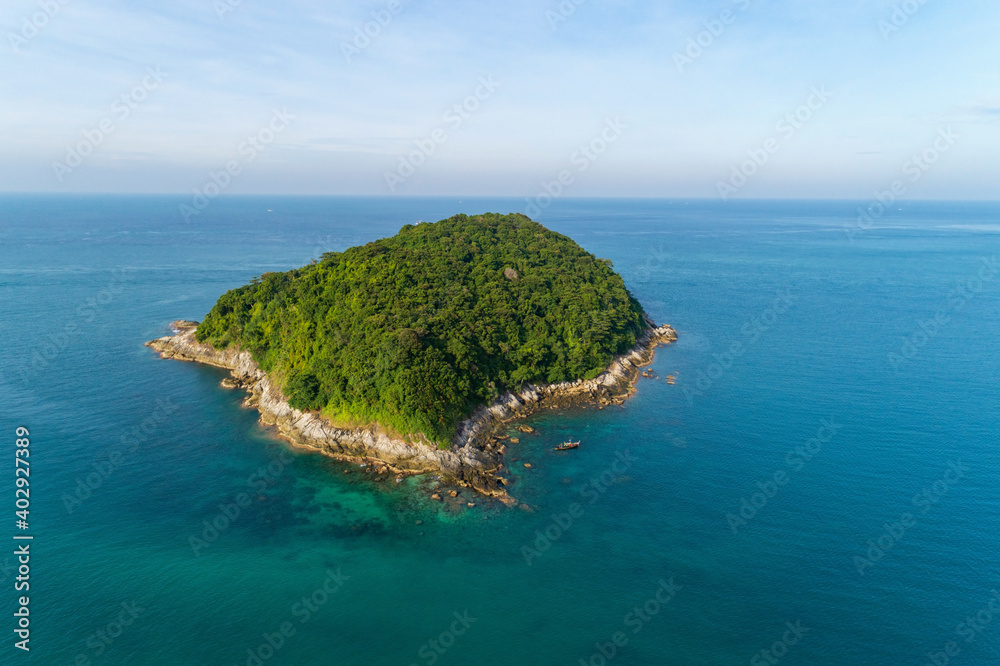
pixel 476 458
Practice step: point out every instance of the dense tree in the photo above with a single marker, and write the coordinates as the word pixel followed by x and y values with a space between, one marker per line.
pixel 416 330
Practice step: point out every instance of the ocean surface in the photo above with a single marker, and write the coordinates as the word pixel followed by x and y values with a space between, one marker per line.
pixel 820 486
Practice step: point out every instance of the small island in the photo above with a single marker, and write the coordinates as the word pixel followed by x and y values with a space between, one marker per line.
pixel 413 351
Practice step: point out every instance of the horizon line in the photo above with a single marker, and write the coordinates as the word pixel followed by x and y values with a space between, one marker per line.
pixel 4 193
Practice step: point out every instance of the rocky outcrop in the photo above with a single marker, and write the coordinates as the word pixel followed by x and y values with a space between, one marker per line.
pixel 612 387
pixel 475 459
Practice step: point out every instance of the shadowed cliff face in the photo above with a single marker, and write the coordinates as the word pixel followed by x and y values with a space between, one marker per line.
pixel 475 459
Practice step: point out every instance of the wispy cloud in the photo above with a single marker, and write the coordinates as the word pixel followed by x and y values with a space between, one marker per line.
pixel 226 74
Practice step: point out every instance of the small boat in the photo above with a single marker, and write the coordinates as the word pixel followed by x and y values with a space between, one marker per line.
pixel 566 446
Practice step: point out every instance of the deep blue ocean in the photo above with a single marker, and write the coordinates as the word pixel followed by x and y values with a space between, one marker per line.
pixel 820 486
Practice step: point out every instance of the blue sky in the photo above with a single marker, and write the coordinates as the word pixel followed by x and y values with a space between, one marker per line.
pixel 222 68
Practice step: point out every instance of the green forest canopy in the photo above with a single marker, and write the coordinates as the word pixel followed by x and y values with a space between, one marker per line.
pixel 415 331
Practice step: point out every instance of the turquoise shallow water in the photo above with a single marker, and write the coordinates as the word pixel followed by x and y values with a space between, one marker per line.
pixel 888 343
